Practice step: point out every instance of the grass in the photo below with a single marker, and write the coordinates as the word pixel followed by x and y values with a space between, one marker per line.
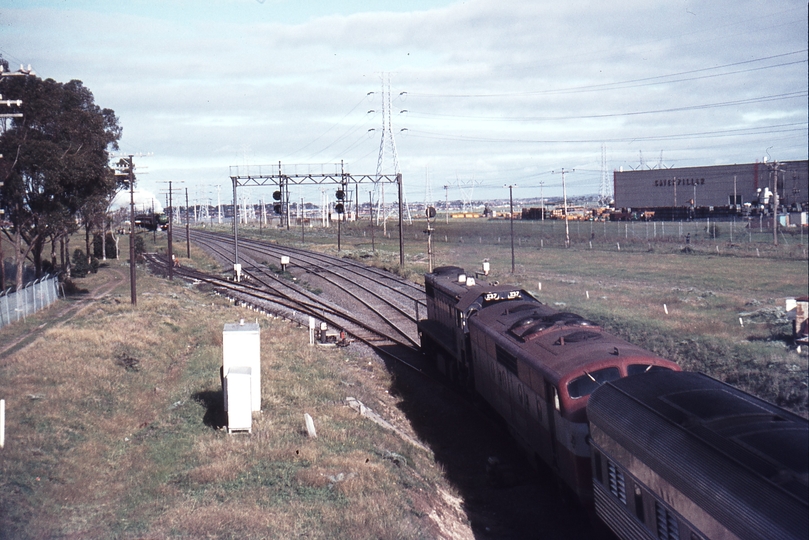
pixel 114 416
pixel 114 430
pixel 706 288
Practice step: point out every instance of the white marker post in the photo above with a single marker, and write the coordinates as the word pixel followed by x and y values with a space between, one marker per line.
pixel 2 423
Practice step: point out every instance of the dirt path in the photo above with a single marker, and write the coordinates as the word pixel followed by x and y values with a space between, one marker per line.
pixel 63 312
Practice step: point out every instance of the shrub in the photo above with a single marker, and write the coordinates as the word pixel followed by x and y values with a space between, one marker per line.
pixel 80 266
pixel 110 246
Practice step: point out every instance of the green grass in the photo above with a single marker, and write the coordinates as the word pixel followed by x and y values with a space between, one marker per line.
pixel 705 291
pixel 103 451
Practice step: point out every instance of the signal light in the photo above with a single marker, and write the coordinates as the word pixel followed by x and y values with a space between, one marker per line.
pixel 340 195
pixel 339 208
pixel 276 208
pixel 430 212
pixel 276 195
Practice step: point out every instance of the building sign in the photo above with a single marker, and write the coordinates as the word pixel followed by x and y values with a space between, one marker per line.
pixel 680 182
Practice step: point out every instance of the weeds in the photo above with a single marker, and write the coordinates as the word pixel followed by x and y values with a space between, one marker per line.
pixel 124 438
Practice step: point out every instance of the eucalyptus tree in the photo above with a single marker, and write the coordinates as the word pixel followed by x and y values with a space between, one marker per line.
pixel 56 164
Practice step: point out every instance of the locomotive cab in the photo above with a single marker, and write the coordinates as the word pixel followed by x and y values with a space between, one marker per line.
pixel 452 299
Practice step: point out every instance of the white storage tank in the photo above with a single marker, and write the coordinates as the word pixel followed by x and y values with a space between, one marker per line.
pixel 241 347
pixel 237 388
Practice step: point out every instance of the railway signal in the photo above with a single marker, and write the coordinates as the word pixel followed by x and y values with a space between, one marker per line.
pixel 429 232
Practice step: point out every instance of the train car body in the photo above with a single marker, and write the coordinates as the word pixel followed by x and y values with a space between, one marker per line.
pixel 151 222
pixel 684 456
pixel 534 365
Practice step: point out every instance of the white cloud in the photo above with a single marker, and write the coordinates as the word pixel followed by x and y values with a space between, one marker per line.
pixel 494 89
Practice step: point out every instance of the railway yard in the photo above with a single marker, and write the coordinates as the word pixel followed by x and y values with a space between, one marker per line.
pixel 377 309
pixel 450 460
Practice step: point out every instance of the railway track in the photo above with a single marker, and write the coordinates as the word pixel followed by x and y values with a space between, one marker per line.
pixel 364 304
pixel 380 309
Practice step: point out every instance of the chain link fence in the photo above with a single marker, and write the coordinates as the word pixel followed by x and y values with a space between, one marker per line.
pixel 34 296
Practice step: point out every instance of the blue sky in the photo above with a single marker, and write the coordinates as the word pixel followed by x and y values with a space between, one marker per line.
pixel 484 92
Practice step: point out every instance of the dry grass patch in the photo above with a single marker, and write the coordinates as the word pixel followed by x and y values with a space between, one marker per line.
pixel 113 430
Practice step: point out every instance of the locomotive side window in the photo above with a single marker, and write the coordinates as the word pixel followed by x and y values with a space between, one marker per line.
pixel 597 460
pixel 639 503
pixel 635 369
pixel 506 359
pixel 617 483
pixel 587 383
pixel 539 409
pixel 667 526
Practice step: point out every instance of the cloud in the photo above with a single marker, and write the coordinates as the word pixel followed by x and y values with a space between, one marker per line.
pixel 494 89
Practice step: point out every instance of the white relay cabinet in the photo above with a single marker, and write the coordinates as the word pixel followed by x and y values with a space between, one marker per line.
pixel 241 373
pixel 237 399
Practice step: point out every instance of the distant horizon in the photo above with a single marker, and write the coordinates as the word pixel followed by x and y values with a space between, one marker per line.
pixel 467 92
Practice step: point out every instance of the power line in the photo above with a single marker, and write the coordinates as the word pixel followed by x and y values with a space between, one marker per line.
pixel 761 99
pixel 631 83
pixel 763 130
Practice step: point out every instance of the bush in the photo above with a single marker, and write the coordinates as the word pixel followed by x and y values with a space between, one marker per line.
pixel 140 248
pixel 79 265
pixel 110 246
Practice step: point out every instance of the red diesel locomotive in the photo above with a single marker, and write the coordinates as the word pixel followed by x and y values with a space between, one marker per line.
pixel 534 365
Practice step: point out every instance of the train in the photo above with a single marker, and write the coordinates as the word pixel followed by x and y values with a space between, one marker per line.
pixel 652 451
pixel 152 221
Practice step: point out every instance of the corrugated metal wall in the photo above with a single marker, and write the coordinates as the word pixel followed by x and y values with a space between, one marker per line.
pixel 709 186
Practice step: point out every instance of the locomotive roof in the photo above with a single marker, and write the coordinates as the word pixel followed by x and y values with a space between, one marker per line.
pixel 697 431
pixel 446 278
pixel 566 343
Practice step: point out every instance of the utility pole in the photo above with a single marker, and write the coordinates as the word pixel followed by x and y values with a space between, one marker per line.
pixel 511 220
pixel 219 203
pixel 132 274
pixel 187 227
pixel 776 168
pixel 235 227
pixel 564 197
pixel 429 232
pixel 371 208
pixel 170 231
pixel 446 203
pixel 542 199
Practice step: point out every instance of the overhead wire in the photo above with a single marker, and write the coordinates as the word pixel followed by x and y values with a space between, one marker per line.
pixel 634 83
pixel 339 122
pixel 761 130
pixel 760 99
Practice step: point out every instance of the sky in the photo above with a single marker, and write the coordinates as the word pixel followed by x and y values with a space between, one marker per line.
pixel 483 94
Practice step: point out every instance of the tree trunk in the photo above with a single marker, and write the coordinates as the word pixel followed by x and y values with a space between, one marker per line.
pixel 53 252
pixel 2 267
pixel 19 257
pixel 36 252
pixel 87 227
pixel 104 238
pixel 67 257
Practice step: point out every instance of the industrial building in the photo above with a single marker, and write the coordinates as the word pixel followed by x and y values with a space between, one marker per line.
pixel 716 190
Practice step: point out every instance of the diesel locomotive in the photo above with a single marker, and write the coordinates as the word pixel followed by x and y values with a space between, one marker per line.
pixel 550 374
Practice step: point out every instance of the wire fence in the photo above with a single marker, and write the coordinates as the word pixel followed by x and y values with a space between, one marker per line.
pixel 36 295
